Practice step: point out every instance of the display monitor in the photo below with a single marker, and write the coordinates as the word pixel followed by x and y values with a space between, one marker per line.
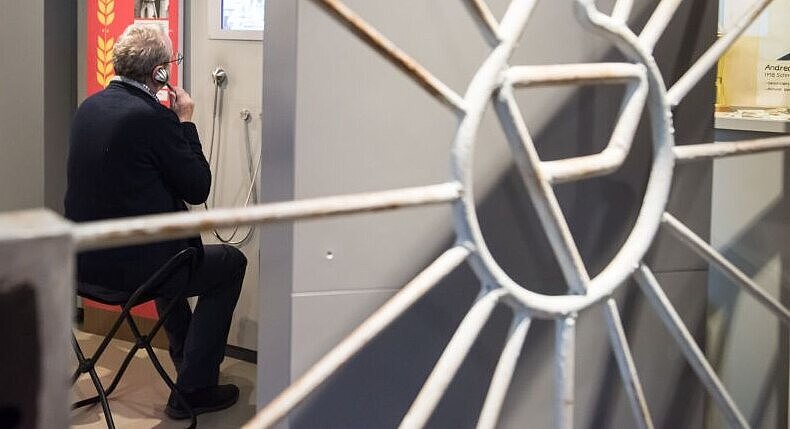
pixel 236 19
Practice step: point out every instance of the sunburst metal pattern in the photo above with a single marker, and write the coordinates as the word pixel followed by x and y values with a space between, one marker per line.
pixel 495 82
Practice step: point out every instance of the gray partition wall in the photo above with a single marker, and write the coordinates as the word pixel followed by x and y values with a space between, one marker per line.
pixel 338 118
pixel 749 225
pixel 38 52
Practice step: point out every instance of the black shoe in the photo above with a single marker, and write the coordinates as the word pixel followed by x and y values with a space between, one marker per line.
pixel 203 400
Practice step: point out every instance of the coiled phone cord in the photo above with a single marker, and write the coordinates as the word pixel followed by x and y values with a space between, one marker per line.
pixel 214 165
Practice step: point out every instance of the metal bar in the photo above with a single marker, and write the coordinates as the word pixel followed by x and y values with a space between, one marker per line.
pixel 541 193
pixel 565 372
pixel 395 55
pixel 688 346
pixel 707 252
pixel 613 156
pixel 145 229
pixel 359 338
pixel 503 374
pixel 622 9
pixel 625 362
pixel 486 19
pixel 711 56
pixel 705 151
pixel 513 23
pixel 451 359
pixel 657 23
pixel 631 109
pixel 576 74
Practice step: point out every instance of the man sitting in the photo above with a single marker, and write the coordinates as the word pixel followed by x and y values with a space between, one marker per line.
pixel 130 156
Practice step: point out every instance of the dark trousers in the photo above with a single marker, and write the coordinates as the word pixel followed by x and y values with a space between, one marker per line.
pixel 197 339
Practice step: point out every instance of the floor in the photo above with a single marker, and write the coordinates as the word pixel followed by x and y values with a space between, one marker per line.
pixel 139 400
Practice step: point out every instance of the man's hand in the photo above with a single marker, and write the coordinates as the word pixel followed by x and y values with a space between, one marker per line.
pixel 181 103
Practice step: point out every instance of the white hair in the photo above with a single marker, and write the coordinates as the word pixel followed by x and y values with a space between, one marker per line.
pixel 139 50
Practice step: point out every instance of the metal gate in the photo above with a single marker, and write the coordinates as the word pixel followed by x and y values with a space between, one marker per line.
pixel 496 81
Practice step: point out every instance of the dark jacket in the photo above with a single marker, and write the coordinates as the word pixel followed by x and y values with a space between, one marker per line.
pixel 131 156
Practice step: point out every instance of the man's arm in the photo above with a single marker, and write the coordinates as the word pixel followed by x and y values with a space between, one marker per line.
pixel 179 157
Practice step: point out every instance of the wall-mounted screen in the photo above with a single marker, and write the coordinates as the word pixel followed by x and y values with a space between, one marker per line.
pixel 245 15
pixel 236 19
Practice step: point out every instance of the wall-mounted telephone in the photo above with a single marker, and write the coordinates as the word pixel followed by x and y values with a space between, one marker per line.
pixel 219 77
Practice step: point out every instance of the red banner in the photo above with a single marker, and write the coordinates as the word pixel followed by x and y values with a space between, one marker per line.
pixel 107 19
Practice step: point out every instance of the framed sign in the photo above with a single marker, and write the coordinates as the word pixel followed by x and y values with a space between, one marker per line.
pixel 755 71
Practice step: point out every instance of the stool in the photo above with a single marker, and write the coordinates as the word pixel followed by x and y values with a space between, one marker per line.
pixel 128 300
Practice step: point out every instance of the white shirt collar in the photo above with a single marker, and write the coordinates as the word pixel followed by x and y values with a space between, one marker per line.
pixel 136 84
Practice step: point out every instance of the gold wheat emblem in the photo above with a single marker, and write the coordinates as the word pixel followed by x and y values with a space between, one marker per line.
pixel 104 69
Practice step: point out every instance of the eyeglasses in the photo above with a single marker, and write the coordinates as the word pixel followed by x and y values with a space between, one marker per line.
pixel 178 59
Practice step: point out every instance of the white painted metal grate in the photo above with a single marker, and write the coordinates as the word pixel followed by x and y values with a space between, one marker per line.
pixel 495 82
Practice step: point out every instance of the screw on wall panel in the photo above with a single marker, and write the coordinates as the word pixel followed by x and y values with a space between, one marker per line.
pixel 246 115
pixel 329 255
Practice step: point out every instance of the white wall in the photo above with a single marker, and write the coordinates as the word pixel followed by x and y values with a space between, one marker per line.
pixel 243 61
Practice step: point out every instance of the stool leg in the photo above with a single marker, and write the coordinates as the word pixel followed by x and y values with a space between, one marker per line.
pixel 171 385
pixel 86 365
pixel 81 361
pixel 145 342
pixel 107 392
pixel 102 398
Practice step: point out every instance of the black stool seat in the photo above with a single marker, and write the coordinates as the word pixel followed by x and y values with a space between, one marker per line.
pixel 103 295
pixel 128 300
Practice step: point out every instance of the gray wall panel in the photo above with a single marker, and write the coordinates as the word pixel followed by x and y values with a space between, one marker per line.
pixel 37 100
pixel 21 105
pixel 277 184
pixel 60 95
pixel 749 225
pixel 318 325
pixel 377 387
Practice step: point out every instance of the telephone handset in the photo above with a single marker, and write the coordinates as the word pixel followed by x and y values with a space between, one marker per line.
pixel 162 76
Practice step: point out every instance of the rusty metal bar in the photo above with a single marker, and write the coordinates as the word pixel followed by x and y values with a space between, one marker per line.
pixel 146 229
pixel 486 19
pixel 707 252
pixel 395 55
pixel 503 374
pixel 689 347
pixel 541 192
pixel 625 362
pixel 711 56
pixel 658 22
pixel 454 353
pixel 565 362
pixel 706 151
pixel 289 399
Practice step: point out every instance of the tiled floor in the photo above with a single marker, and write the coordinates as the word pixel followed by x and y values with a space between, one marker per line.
pixel 139 400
